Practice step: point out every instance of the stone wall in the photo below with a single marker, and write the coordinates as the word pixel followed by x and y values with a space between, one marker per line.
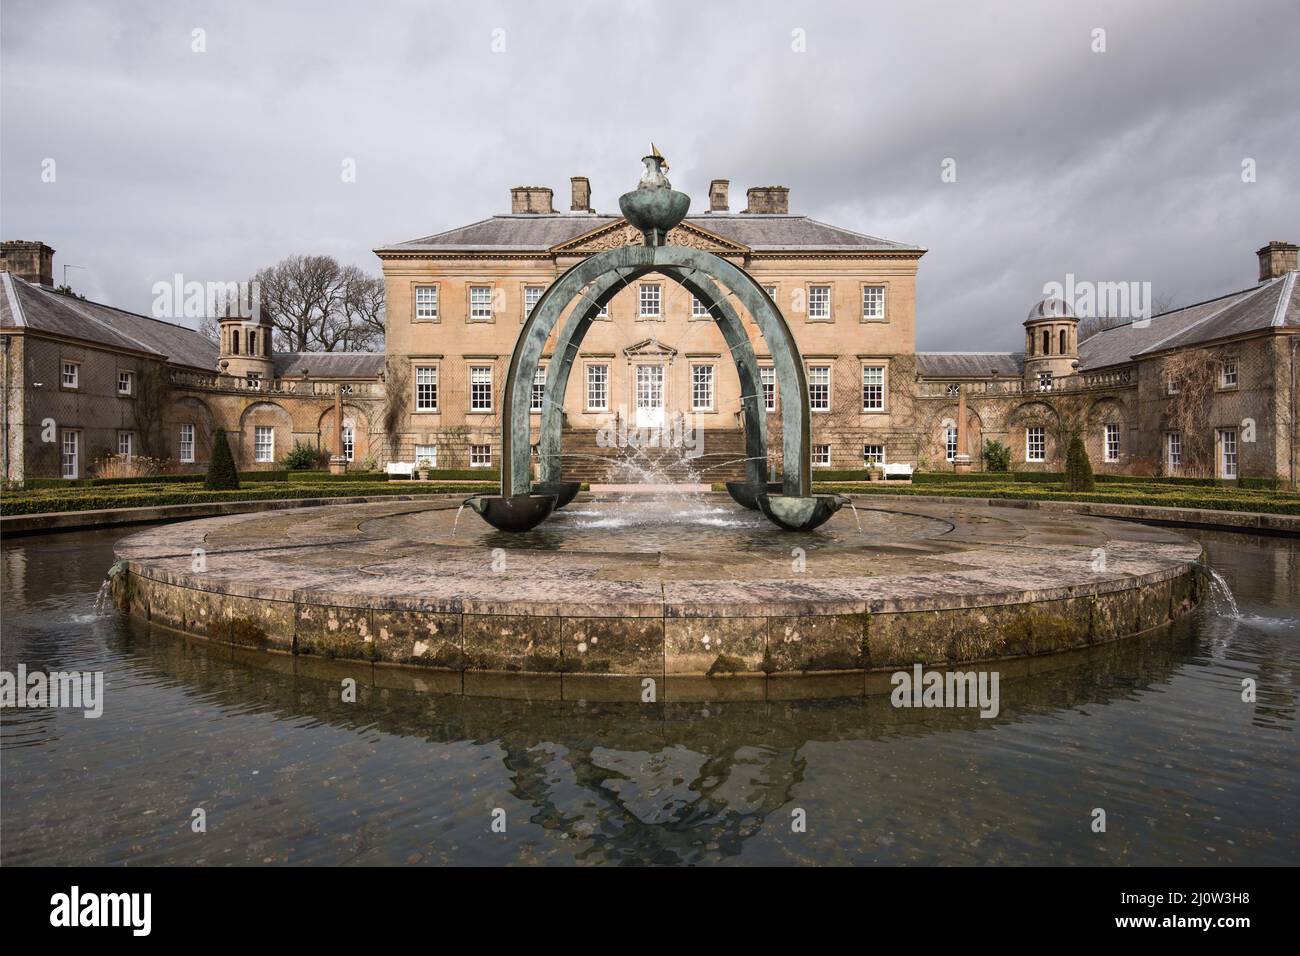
pixel 611 656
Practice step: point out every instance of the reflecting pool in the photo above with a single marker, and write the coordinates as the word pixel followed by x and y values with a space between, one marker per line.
pixel 1152 729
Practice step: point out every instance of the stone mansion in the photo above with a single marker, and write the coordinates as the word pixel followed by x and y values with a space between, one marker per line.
pixel 1207 389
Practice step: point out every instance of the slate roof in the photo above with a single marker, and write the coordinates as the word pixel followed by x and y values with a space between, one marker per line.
pixel 329 364
pixel 970 364
pixel 25 304
pixel 539 232
pixel 1272 304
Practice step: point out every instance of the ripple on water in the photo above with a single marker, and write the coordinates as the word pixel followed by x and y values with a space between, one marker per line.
pixel 1154 729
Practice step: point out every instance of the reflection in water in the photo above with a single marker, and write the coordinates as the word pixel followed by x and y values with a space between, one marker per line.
pixel 1152 729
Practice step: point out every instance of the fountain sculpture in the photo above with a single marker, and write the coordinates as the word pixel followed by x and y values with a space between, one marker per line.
pixel 654 208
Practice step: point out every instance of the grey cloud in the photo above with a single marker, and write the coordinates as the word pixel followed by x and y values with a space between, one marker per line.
pixel 1123 165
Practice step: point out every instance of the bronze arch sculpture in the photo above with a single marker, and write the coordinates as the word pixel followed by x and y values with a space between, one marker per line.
pixel 654 208
pixel 575 329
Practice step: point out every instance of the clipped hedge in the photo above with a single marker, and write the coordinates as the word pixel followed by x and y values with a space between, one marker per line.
pixel 73 499
pixel 1170 497
pixel 1057 477
pixel 35 484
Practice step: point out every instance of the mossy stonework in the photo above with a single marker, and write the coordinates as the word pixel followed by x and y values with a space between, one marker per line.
pixel 984 584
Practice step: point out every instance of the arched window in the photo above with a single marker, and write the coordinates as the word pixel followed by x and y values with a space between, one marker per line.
pixel 234 341
pixel 1047 342
pixel 252 342
pixel 1062 350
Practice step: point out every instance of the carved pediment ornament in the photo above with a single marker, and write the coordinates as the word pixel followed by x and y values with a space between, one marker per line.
pixel 622 234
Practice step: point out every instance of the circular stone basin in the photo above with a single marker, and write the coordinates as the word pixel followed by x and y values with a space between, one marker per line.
pixel 680 597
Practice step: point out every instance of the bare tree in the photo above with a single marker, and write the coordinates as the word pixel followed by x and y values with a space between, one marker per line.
pixel 363 307
pixel 317 305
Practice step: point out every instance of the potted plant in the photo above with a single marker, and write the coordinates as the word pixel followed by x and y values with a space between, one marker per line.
pixel 422 468
pixel 875 473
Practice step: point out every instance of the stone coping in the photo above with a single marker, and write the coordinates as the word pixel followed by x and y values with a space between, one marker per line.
pixel 1264 522
pixel 985 583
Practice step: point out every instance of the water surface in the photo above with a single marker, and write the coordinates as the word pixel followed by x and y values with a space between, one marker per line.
pixel 1153 730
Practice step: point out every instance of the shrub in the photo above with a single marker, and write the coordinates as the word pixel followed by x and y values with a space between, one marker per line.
pixel 997 456
pixel 1078 469
pixel 222 475
pixel 301 457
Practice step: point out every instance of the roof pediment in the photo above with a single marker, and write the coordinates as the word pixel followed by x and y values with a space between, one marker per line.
pixel 650 347
pixel 621 233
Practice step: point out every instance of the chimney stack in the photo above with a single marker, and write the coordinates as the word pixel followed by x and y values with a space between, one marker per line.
pixel 769 200
pixel 581 194
pixel 530 199
pixel 34 261
pixel 1276 259
pixel 718 195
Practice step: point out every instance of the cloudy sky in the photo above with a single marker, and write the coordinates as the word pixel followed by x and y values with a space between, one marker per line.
pixel 1119 165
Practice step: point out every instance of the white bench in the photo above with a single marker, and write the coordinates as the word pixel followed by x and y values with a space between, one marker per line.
pixel 898 472
pixel 406 468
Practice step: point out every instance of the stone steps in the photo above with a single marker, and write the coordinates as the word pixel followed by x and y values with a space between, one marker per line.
pixel 660 465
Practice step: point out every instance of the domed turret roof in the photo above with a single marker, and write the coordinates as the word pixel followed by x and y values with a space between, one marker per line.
pixel 1049 309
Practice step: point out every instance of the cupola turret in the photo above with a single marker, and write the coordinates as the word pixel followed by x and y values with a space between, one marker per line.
pixel 246 349
pixel 1051 343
